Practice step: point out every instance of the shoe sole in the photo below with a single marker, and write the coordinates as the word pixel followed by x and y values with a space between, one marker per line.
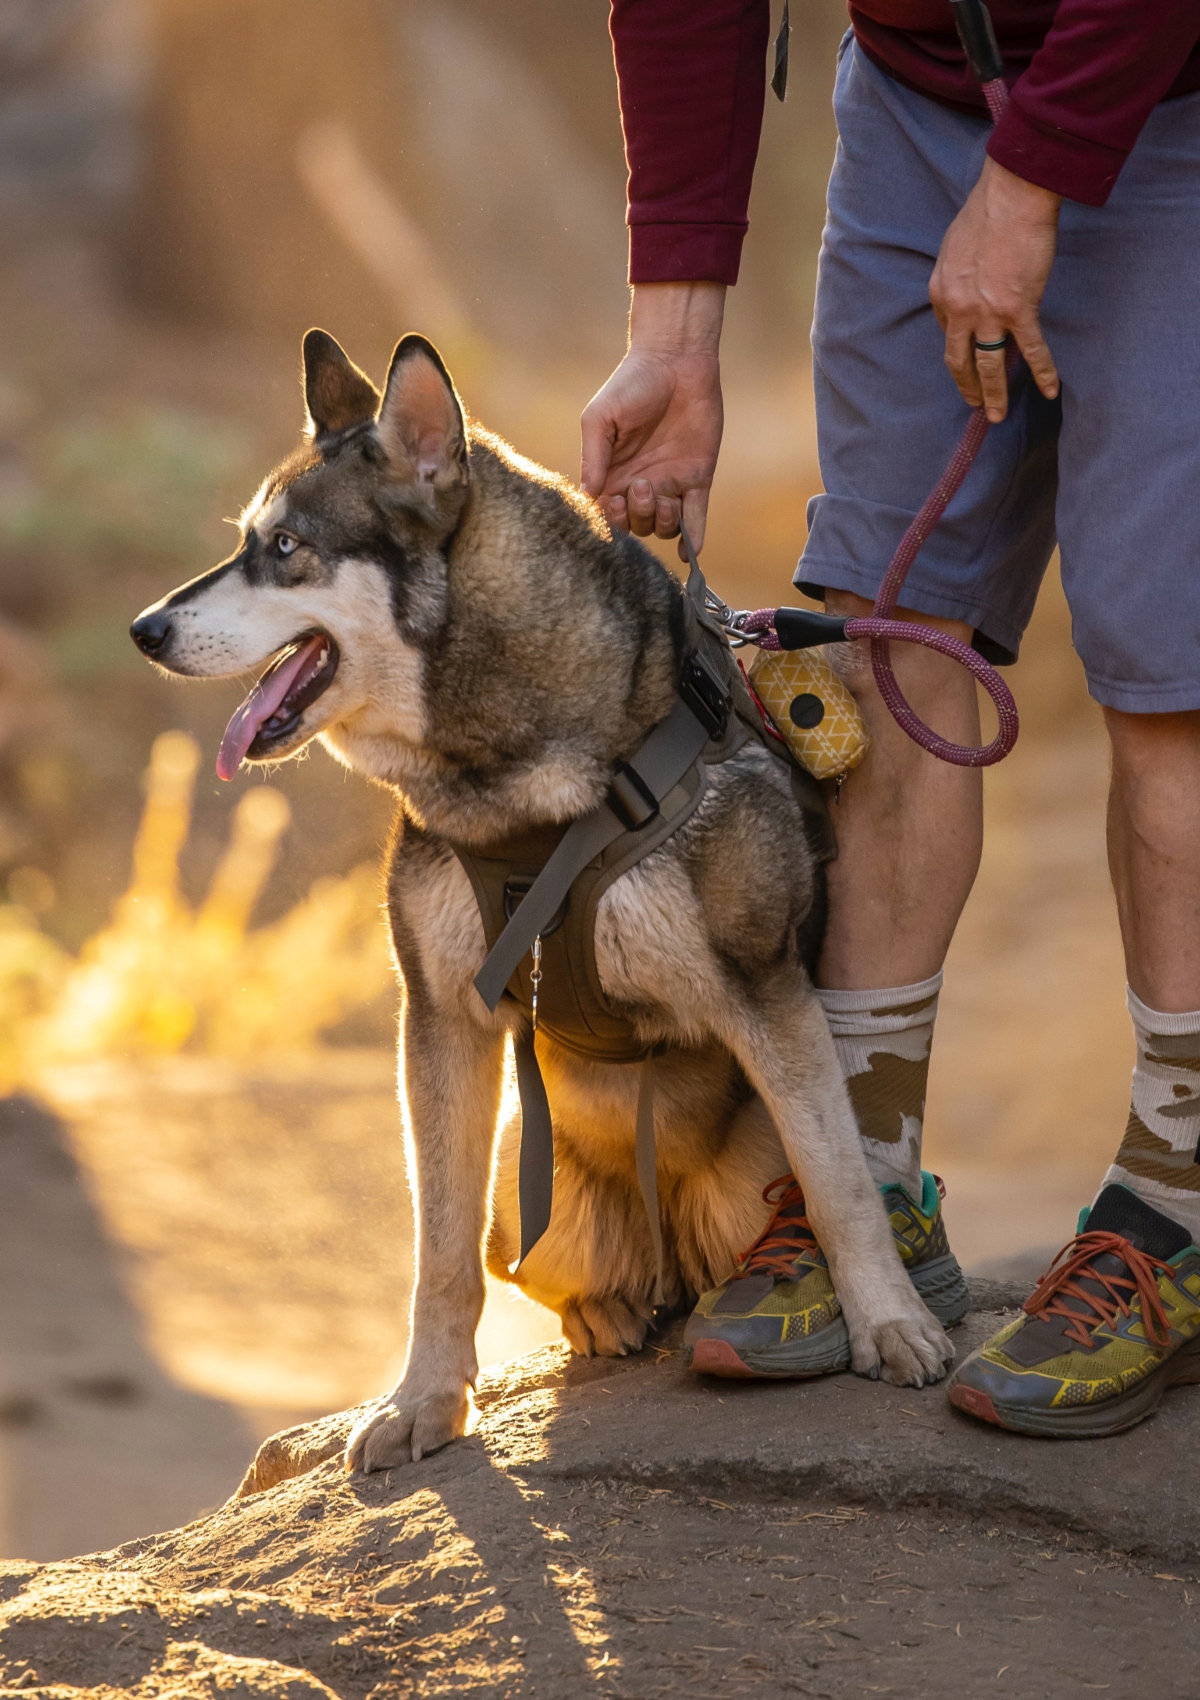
pixel 940 1284
pixel 820 1354
pixel 943 1289
pixel 1114 1416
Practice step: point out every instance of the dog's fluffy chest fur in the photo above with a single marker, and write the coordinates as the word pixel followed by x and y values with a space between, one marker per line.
pixel 545 668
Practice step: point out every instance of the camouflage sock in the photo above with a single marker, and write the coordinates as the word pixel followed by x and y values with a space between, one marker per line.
pixel 1159 1157
pixel 883 1040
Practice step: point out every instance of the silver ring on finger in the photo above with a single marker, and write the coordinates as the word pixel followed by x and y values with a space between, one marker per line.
pixel 990 347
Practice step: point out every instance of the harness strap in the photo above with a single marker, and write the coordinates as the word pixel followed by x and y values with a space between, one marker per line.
pixel 647 1171
pixel 665 755
pixel 661 762
pixel 535 1177
pixel 668 751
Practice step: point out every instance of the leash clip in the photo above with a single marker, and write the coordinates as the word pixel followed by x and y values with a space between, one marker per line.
pixel 535 978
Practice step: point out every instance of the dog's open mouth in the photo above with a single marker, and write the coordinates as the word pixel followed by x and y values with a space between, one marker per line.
pixel 297 676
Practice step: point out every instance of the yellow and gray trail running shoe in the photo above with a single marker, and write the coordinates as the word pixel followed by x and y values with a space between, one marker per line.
pixel 1112 1324
pixel 778 1315
pixel 920 1235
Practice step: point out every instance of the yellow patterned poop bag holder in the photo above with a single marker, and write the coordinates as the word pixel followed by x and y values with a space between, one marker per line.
pixel 811 708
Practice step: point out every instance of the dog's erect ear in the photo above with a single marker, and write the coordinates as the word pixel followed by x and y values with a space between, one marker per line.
pixel 420 424
pixel 336 393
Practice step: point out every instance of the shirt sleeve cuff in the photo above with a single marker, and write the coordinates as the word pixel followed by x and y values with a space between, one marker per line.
pixel 685 253
pixel 1054 159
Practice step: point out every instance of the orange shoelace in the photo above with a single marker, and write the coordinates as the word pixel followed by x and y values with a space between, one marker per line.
pixel 786 1235
pixel 1048 1298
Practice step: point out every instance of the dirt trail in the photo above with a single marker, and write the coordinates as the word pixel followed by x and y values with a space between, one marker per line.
pixel 624 1529
pixel 192 1255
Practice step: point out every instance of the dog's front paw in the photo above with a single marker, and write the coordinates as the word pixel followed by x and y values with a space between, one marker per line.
pixel 908 1351
pixel 405 1427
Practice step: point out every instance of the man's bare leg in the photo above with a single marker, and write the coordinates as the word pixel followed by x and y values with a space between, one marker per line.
pixel 1154 853
pixel 910 832
pixel 1142 1233
pixel 910 827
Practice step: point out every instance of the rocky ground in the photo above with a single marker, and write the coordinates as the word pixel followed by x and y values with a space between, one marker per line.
pixel 622 1528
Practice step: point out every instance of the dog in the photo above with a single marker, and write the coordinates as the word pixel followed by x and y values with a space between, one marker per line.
pixel 461 626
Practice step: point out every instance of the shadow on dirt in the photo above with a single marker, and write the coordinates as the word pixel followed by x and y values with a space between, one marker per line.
pixel 97 1444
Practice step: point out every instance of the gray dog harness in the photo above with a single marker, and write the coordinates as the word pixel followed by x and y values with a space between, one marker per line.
pixel 538 893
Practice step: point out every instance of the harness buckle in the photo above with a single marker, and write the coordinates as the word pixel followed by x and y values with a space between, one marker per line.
pixel 517 887
pixel 706 694
pixel 630 798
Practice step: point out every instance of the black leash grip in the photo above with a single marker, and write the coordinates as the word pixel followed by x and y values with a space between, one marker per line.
pixel 780 74
pixel 804 628
pixel 974 24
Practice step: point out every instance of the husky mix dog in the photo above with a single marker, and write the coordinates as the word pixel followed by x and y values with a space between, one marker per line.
pixel 462 627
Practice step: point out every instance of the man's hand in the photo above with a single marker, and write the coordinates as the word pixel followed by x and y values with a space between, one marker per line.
pixel 651 435
pixel 989 281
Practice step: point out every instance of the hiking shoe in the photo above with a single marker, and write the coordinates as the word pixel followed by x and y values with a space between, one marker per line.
pixel 1112 1324
pixel 920 1235
pixel 779 1315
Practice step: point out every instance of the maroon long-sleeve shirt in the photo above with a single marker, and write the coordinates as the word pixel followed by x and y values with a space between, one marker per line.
pixel 1084 76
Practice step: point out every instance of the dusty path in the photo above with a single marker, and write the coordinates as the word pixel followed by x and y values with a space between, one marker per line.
pixel 191 1256
pixel 623 1529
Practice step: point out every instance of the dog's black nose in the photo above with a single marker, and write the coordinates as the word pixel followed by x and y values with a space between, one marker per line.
pixel 150 632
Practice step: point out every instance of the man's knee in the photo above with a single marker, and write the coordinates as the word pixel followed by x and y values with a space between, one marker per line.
pixel 925 677
pixel 1155 796
pixel 1142 742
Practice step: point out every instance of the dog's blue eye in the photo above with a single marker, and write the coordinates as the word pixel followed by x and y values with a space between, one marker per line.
pixel 286 544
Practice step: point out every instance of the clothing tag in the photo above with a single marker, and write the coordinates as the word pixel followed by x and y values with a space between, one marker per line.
pixel 779 77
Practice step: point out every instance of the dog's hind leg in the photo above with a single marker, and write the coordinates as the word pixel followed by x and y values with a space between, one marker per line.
pixel 593 1266
pixel 453 1069
pixel 782 1041
pixel 716 1206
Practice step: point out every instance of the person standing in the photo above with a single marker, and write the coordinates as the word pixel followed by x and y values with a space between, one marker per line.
pixel 1073 229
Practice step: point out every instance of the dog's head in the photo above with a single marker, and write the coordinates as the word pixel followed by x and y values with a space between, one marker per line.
pixel 340 575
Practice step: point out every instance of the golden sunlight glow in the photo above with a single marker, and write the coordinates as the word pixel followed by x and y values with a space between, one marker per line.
pixel 161 977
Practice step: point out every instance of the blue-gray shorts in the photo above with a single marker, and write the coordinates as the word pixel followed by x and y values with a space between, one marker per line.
pixel 1110 471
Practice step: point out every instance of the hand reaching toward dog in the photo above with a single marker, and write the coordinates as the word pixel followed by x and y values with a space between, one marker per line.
pixel 652 433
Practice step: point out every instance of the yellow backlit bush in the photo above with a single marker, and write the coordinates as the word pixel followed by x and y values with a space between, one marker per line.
pixel 162 977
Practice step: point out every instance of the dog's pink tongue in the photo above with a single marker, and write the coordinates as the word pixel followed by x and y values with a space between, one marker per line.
pixel 261 704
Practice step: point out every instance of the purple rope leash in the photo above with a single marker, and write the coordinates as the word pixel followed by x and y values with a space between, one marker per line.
pixel 995 92
pixel 882 630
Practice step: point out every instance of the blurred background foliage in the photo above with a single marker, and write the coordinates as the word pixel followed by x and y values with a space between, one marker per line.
pixel 163 977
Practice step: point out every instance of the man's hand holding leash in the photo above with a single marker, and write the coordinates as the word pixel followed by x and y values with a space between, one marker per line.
pixel 652 433
pixel 988 285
